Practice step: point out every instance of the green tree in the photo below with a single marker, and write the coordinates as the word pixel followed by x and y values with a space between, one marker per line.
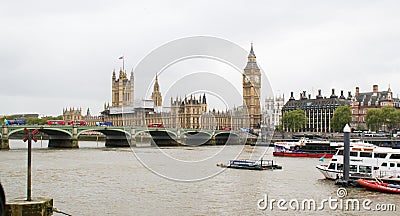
pixel 374 119
pixel 397 119
pixel 360 128
pixel 389 117
pixel 33 120
pixel 341 117
pixel 294 120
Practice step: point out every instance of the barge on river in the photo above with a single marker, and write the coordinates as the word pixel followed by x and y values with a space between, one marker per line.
pixel 251 165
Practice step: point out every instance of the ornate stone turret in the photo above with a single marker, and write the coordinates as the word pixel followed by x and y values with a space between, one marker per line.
pixel 156 95
pixel 122 89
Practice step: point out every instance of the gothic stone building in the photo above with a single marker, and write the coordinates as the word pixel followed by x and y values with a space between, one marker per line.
pixel 122 89
pixel 189 112
pixel 75 114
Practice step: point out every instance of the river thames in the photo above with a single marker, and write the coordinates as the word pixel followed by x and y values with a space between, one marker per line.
pixel 94 180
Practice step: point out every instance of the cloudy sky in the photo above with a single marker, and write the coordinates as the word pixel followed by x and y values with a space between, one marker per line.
pixel 56 54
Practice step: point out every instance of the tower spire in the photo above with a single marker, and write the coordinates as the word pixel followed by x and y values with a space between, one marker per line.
pixel 156 85
pixel 251 54
pixel 156 95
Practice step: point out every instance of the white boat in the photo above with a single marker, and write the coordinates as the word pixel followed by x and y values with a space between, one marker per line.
pixel 311 148
pixel 366 161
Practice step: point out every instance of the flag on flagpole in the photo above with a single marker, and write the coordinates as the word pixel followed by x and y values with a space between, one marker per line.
pixel 122 57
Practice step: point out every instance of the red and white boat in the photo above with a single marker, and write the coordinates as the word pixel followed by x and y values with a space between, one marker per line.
pixel 306 148
pixel 376 185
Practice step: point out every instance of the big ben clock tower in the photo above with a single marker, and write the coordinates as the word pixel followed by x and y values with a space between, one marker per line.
pixel 251 90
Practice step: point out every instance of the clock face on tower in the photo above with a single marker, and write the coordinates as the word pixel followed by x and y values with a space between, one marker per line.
pixel 246 79
pixel 257 79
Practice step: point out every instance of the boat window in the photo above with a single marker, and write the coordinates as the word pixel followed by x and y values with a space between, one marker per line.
pixel 354 154
pixel 331 166
pixel 392 164
pixel 384 164
pixel 376 168
pixel 365 169
pixel 395 156
pixel 365 154
pixel 340 152
pixel 380 155
pixel 339 166
pixel 353 168
pixel 334 159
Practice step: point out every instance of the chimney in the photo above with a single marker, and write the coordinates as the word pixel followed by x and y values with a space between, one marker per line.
pixel 357 91
pixel 349 96
pixel 291 96
pixel 319 96
pixel 342 95
pixel 333 94
pixel 375 88
pixel 309 96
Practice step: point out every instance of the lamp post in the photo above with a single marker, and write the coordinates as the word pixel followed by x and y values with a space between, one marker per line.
pixel 29 137
pixel 346 153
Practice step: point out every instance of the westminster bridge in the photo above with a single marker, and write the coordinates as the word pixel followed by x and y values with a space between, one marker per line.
pixel 68 136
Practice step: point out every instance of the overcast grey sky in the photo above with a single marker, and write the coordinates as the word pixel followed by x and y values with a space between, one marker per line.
pixel 56 54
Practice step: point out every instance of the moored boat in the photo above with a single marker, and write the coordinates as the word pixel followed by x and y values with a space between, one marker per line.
pixel 367 161
pixel 306 148
pixel 250 165
pixel 376 185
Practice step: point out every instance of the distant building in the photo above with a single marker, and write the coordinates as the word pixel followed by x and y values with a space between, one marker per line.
pixel 319 110
pixel 189 112
pixel 273 111
pixel 72 114
pixel 122 89
pixel 361 102
pixel 75 114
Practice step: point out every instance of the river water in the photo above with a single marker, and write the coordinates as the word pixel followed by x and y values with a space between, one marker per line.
pixel 94 180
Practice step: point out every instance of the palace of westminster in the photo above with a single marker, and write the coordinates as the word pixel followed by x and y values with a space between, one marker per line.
pixel 190 112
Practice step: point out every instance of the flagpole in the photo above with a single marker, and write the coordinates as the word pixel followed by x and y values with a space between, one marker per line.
pixel 123 63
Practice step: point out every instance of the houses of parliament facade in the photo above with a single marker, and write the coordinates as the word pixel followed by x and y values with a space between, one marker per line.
pixel 190 112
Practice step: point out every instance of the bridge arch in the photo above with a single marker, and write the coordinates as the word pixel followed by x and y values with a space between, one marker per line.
pixel 197 138
pixel 115 137
pixel 163 137
pixel 51 131
pixel 106 131
pixel 161 130
pixel 226 137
